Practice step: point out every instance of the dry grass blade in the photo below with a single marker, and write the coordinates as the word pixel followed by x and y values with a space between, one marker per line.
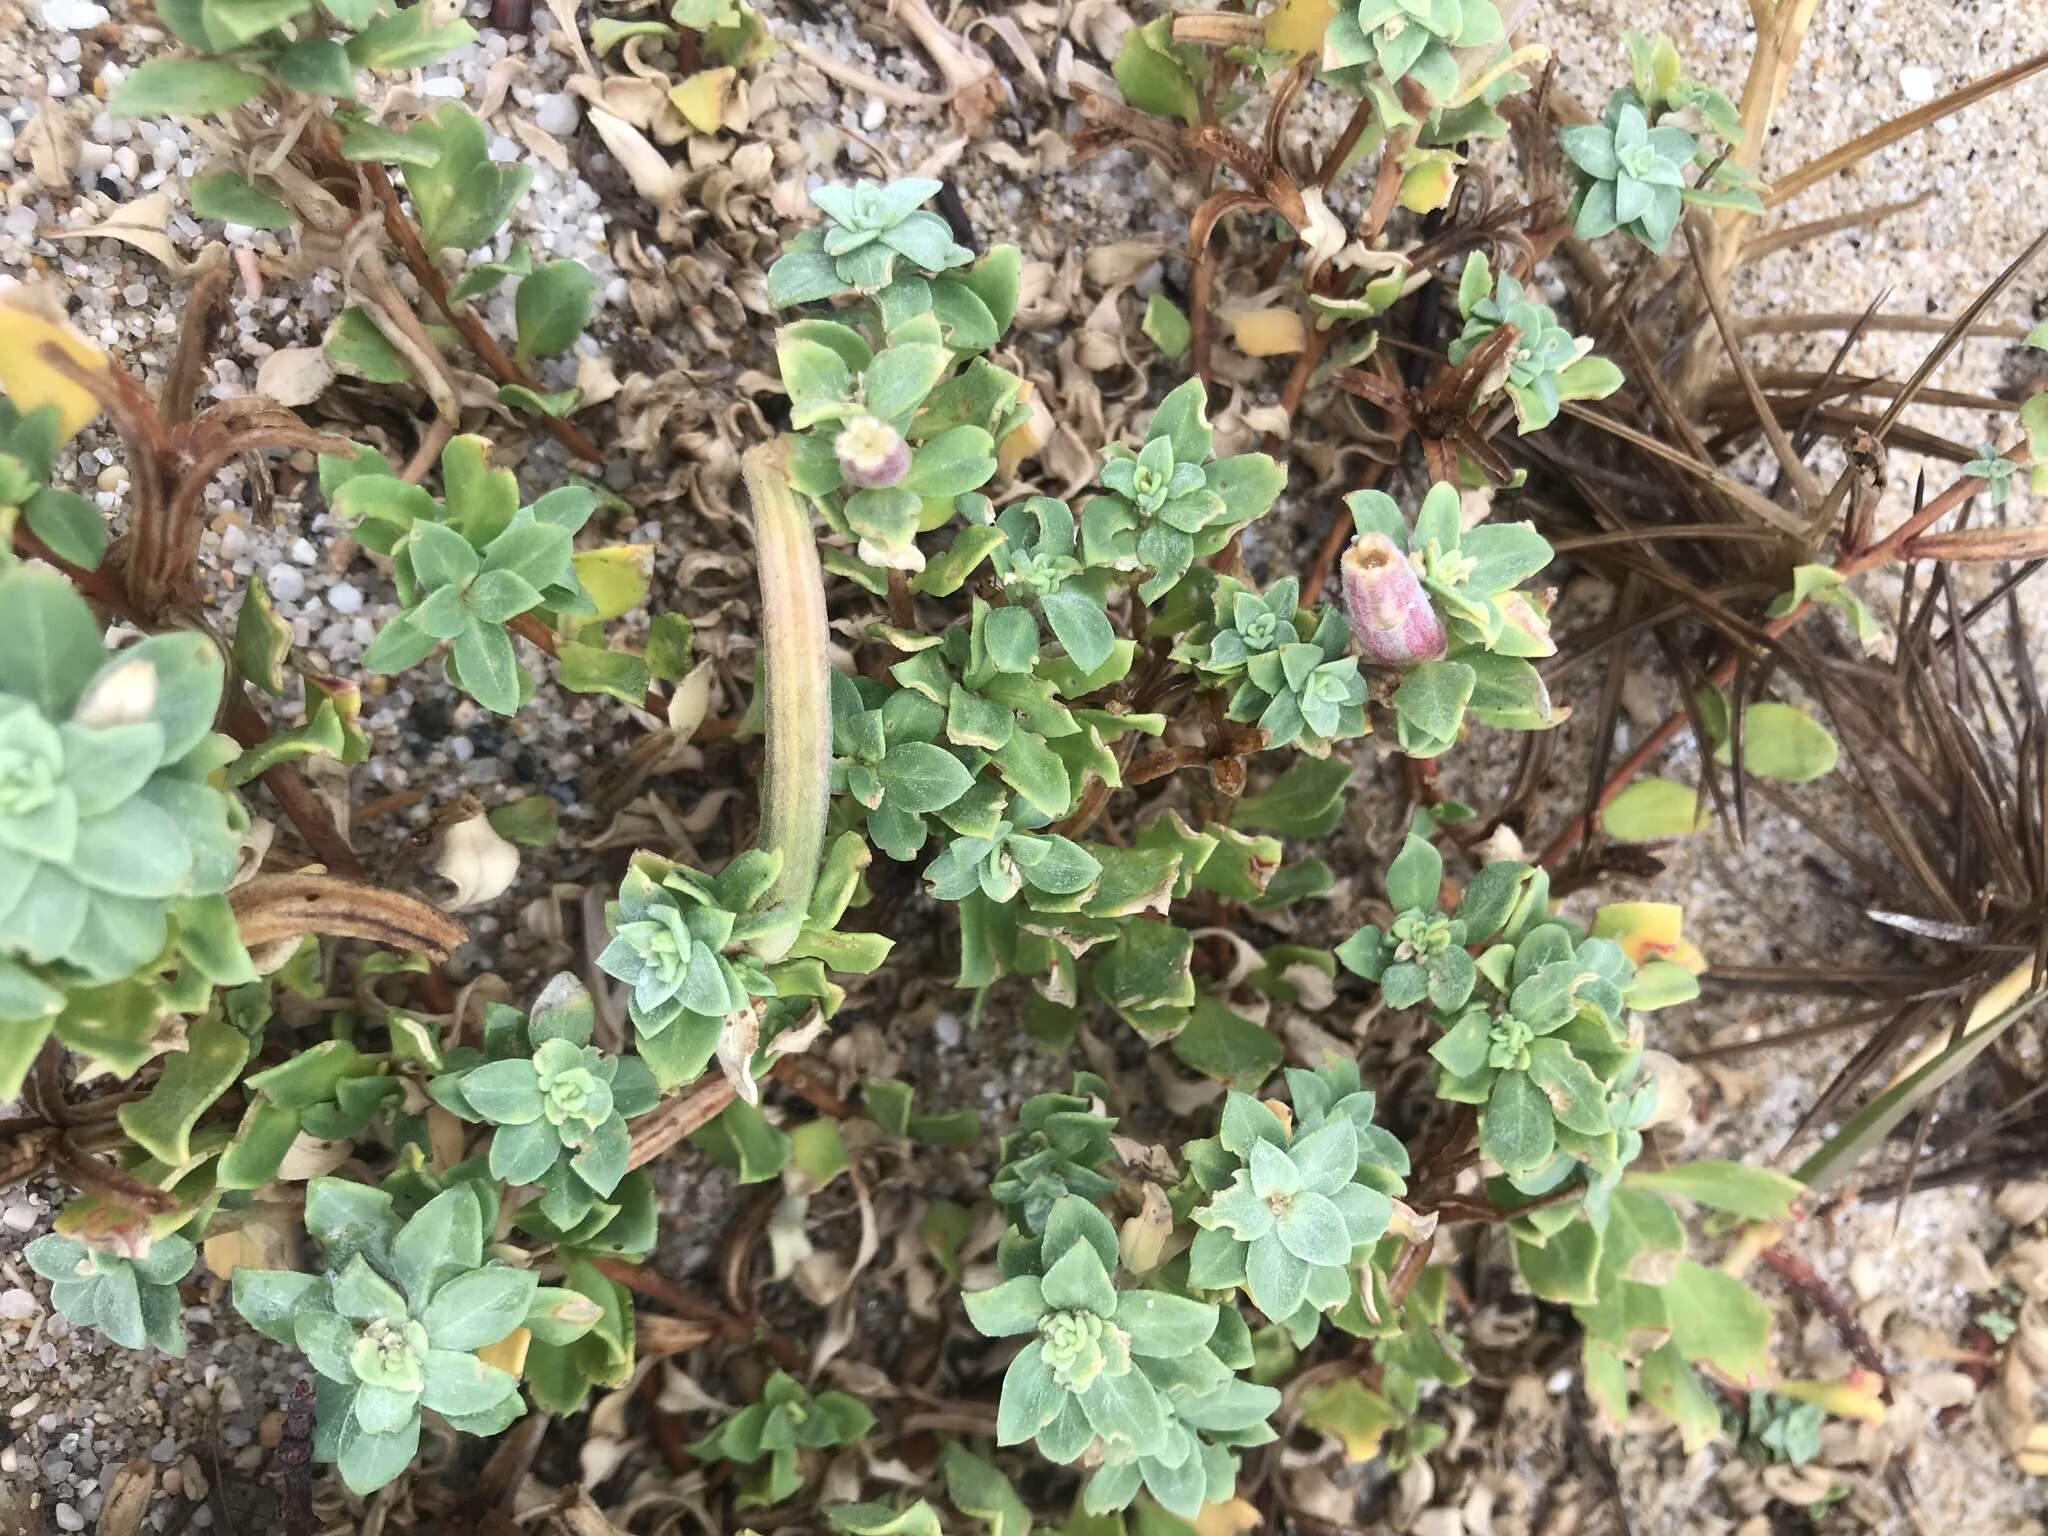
pixel 1958 330
pixel 1852 319
pixel 1749 499
pixel 1804 485
pixel 1978 545
pixel 1725 393
pixel 1798 234
pixel 1840 159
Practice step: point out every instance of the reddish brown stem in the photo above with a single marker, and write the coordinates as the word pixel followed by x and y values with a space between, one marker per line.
pixel 293 794
pixel 89 1175
pixel 1297 379
pixel 1802 1278
pixel 195 339
pixel 1884 551
pixel 680 1300
pixel 466 320
pixel 1347 141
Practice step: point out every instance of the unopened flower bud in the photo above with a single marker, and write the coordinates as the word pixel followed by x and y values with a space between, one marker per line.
pixel 872 453
pixel 1391 614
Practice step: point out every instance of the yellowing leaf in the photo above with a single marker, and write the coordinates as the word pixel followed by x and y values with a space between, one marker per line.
pixel 615 578
pixel 1268 332
pixel 144 224
pixel 1234 1516
pixel 1652 808
pixel 1855 1396
pixel 509 1353
pixel 1429 178
pixel 1782 743
pixel 1297 26
pixel 1027 437
pixel 704 97
pixel 34 320
pixel 1354 1413
pixel 1645 930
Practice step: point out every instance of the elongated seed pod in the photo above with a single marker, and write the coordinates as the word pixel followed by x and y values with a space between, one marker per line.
pixel 794 677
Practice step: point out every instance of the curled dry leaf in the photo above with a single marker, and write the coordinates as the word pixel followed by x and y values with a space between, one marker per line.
pixel 473 858
pixel 974 89
pixel 645 166
pixel 691 701
pixel 49 145
pixel 737 1042
pixel 275 908
pixel 657 1334
pixel 1143 1238
pixel 127 1498
pixel 144 224
pixel 295 376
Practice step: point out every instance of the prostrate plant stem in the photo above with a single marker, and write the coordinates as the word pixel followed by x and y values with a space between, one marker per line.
pixel 796 670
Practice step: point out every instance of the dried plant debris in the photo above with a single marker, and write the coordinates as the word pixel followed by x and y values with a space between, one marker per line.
pixel 926 768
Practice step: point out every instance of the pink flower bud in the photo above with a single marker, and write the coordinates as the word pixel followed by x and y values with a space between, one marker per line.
pixel 1391 614
pixel 871 453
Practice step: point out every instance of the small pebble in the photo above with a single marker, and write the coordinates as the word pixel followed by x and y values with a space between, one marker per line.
pixel 17 1303
pixel 1918 83
pixel 287 583
pixel 555 114
pixel 69 1519
pixel 343 597
pixel 19 1216
pixel 270 1429
pixel 73 16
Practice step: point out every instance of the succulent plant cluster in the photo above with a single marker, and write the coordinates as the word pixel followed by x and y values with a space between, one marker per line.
pixel 559 1104
pixel 1413 39
pixel 1633 169
pixel 1141 1381
pixel 118 836
pixel 401 1317
pixel 1296 679
pixel 1536 1025
pixel 466 565
pixel 1169 503
pixel 872 228
pixel 1058 1149
pixel 132 1301
pixel 1293 1203
pixel 1548 366
pixel 1439 603
pixel 786 1422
